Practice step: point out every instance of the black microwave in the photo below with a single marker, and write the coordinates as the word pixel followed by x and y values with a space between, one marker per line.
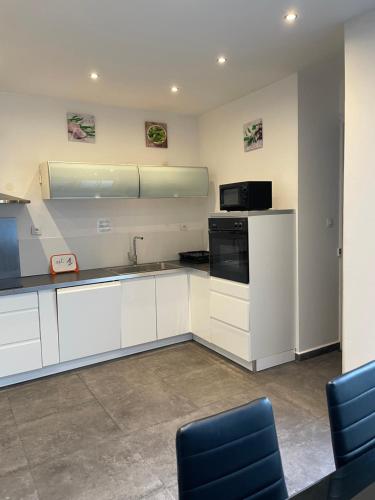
pixel 247 195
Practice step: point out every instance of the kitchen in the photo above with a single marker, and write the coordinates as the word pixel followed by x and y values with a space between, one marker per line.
pixel 132 339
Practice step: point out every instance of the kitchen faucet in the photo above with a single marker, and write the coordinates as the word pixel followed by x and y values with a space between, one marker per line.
pixel 133 257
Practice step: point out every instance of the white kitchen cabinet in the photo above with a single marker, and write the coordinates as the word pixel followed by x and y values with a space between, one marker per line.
pixel 49 334
pixel 231 339
pixel 138 311
pixel 230 310
pixel 89 319
pixel 172 305
pixel 200 306
pixel 20 349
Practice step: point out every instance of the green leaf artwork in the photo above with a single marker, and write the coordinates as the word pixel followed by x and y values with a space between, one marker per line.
pixel 253 135
pixel 156 135
pixel 81 127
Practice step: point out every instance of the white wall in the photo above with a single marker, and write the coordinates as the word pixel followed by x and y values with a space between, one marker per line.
pixel 33 129
pixel 319 106
pixel 359 182
pixel 222 147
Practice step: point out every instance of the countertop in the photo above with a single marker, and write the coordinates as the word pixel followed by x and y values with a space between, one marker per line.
pixel 253 213
pixel 11 286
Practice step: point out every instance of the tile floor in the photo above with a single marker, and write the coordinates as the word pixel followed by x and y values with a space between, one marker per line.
pixel 107 432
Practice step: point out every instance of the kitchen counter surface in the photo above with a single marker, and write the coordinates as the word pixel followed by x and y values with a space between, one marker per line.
pixel 10 286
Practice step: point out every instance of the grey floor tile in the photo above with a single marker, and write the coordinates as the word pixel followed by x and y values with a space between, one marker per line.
pixel 106 470
pixel 209 384
pixel 65 432
pixel 307 454
pixel 145 405
pixel 300 386
pixel 326 366
pixel 18 485
pixel 163 494
pixel 12 456
pixel 108 432
pixel 157 444
pixel 6 415
pixel 47 396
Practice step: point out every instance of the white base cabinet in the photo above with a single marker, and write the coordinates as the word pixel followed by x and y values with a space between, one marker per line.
pixel 172 305
pixel 89 319
pixel 20 349
pixel 138 311
pixel 200 305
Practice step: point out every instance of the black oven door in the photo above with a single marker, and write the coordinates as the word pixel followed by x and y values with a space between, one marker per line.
pixel 229 255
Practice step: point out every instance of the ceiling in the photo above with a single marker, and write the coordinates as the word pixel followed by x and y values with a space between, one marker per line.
pixel 142 47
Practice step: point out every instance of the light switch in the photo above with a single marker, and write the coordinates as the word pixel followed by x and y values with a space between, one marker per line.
pixel 329 222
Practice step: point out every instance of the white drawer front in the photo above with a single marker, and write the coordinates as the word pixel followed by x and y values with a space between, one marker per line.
pixel 18 358
pixel 17 326
pixel 231 339
pixel 235 312
pixel 233 288
pixel 18 302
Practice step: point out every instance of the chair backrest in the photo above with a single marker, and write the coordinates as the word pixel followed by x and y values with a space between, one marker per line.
pixel 232 455
pixel 351 407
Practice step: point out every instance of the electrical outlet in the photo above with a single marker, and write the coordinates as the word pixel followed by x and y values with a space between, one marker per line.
pixel 104 226
pixel 36 231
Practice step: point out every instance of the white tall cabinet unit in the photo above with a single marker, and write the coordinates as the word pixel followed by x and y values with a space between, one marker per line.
pixel 254 323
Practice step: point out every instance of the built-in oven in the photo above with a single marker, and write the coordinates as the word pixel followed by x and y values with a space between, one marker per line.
pixel 229 248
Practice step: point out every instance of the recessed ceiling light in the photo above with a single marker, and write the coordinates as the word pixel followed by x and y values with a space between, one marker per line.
pixel 94 76
pixel 174 89
pixel 221 60
pixel 290 17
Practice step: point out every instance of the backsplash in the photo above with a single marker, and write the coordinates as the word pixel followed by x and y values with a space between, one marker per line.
pixel 104 250
pixel 169 226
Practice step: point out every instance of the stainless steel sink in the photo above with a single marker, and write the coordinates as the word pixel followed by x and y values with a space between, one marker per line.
pixel 143 268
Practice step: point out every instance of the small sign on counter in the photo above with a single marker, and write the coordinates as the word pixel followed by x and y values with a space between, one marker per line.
pixel 63 263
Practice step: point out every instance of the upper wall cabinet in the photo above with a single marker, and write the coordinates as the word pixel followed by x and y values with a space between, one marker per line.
pixel 62 180
pixel 173 182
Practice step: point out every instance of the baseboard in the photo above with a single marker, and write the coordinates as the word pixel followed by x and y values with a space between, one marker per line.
pixel 335 346
pixel 249 365
pixel 91 360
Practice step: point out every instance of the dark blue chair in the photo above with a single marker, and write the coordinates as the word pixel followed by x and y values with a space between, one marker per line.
pixel 232 455
pixel 351 408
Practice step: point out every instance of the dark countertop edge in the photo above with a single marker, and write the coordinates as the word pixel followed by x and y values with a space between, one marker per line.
pixel 42 282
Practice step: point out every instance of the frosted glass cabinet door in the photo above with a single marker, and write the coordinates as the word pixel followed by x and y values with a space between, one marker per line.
pixel 173 182
pixel 85 180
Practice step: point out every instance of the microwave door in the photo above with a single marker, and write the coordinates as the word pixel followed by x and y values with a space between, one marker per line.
pixel 231 197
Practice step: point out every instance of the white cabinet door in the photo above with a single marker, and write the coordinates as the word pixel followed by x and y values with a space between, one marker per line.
pixel 172 305
pixel 200 306
pixel 89 320
pixel 19 334
pixel 138 311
